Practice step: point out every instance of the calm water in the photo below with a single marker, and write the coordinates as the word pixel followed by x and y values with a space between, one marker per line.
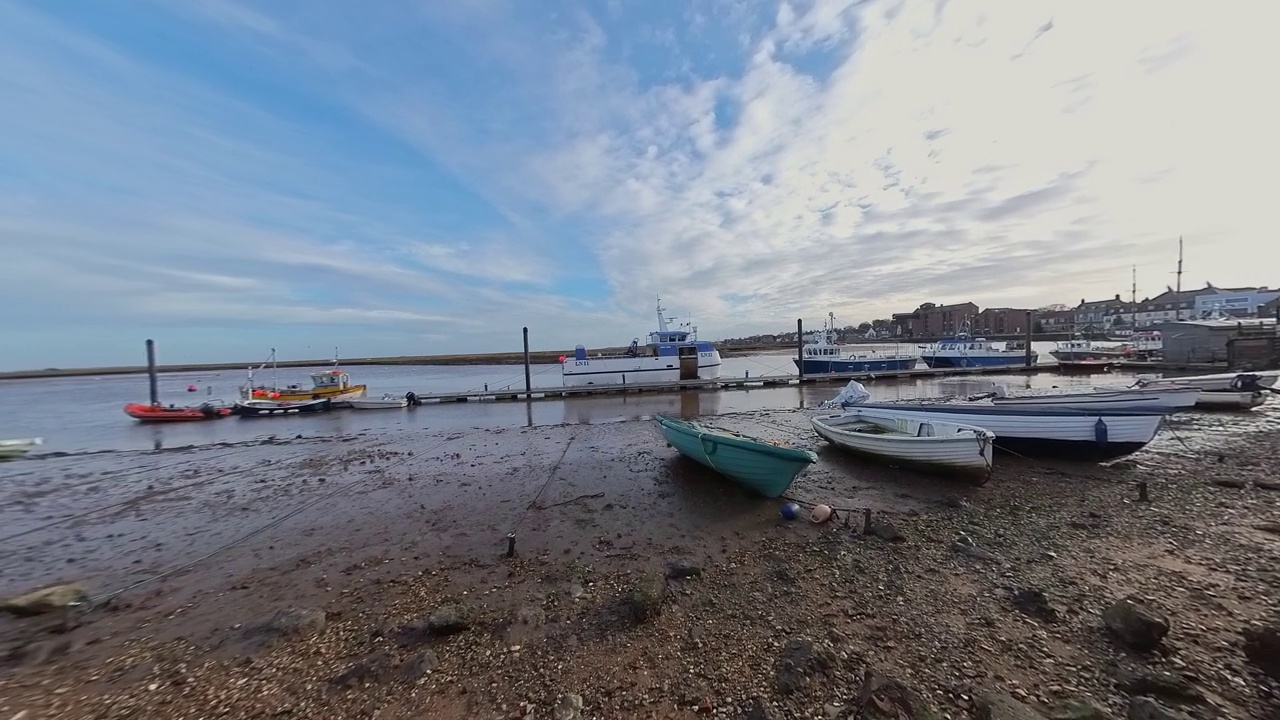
pixel 85 414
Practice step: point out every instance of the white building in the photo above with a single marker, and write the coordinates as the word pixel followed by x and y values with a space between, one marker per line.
pixel 1239 302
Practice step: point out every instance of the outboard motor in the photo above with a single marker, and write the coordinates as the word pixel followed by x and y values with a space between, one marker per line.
pixel 412 397
pixel 1247 382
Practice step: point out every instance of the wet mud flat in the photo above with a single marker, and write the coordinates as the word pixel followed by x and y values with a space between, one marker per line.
pixel 366 576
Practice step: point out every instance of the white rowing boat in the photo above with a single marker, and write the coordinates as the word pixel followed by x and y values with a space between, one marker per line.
pixel 1238 381
pixel 386 402
pixel 902 438
pixel 1163 399
pixel 11 449
pixel 1230 399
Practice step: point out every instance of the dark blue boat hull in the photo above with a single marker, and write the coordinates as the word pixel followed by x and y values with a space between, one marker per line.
pixel 818 366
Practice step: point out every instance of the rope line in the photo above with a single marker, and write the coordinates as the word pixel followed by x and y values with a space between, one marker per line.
pixel 545 483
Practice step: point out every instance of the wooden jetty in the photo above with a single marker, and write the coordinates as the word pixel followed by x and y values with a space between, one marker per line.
pixel 724 383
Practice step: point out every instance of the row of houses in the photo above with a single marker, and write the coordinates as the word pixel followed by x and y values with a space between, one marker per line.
pixel 1089 317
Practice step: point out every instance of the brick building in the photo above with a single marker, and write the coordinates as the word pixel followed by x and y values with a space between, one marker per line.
pixel 1001 321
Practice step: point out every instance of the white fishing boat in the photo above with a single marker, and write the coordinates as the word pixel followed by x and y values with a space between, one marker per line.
pixel 1094 398
pixel 893 436
pixel 966 351
pixel 386 402
pixel 1238 381
pixel 670 355
pixel 1230 399
pixel 16 448
pixel 1064 432
pixel 1083 349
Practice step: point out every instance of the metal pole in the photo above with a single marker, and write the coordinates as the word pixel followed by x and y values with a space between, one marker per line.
pixel 800 346
pixel 1030 335
pixel 528 383
pixel 151 372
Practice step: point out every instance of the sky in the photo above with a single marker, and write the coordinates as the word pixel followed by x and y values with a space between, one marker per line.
pixel 405 178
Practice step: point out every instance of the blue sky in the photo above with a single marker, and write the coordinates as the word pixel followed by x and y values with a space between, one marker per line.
pixel 415 178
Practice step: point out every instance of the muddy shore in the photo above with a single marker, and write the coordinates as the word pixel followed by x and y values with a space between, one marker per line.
pixel 366 576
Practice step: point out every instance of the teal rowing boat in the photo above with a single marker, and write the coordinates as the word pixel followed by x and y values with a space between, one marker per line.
pixel 759 466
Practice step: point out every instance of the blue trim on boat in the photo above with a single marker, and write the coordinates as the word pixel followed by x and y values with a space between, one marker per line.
pixel 641 370
pixel 961 361
pixel 846 365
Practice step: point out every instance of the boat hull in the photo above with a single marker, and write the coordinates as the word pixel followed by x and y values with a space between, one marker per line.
pixel 14 449
pixel 974 361
pixel 954 448
pixel 1211 383
pixel 817 366
pixel 636 370
pixel 152 414
pixel 335 395
pixel 261 409
pixel 1078 355
pixel 378 403
pixel 1229 400
pixel 1162 400
pixel 760 467
pixel 1064 433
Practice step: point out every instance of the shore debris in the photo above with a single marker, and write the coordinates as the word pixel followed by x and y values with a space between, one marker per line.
pixel 45 600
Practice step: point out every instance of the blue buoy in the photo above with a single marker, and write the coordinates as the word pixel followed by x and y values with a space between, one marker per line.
pixel 790 511
pixel 1100 433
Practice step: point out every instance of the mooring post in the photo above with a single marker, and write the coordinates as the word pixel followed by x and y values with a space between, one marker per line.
pixel 511 544
pixel 528 381
pixel 866 521
pixel 1030 335
pixel 1142 492
pixel 151 372
pixel 800 346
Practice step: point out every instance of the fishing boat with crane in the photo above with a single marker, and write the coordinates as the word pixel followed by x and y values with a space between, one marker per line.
pixel 823 355
pixel 333 384
pixel 670 355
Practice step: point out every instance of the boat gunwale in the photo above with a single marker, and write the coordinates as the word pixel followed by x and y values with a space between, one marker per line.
pixel 738 440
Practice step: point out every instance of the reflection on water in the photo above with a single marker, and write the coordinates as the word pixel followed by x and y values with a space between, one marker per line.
pixel 95 420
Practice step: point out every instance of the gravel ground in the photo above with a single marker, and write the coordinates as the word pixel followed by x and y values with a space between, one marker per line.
pixel 645 587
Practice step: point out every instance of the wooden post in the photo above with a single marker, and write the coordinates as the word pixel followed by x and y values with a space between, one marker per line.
pixel 151 372
pixel 1142 492
pixel 866 520
pixel 528 381
pixel 800 346
pixel 1030 335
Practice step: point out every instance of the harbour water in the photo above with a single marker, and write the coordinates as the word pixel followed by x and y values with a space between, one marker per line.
pixel 84 414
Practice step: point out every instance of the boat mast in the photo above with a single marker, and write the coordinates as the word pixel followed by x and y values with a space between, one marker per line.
pixel 662 320
pixel 1178 287
pixel 275 375
pixel 1133 301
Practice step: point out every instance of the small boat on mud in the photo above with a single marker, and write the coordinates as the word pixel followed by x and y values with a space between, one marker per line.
pixel 1066 433
pixel 893 436
pixel 386 402
pixel 272 408
pixel 18 447
pixel 1090 398
pixel 1237 381
pixel 1230 399
pixel 760 466
pixel 168 413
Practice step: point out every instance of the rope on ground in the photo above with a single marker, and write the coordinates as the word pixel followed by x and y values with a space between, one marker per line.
pixel 545 483
pixel 97 600
pixel 568 502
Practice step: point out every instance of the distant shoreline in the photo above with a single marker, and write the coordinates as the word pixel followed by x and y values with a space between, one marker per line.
pixel 543 357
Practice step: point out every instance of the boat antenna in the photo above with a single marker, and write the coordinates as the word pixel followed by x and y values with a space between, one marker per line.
pixel 1133 301
pixel 275 375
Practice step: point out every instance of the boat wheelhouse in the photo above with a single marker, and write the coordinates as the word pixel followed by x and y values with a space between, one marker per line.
pixel 964 350
pixel 823 355
pixel 670 355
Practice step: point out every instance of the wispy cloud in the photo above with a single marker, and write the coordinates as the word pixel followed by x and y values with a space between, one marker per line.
pixel 323 168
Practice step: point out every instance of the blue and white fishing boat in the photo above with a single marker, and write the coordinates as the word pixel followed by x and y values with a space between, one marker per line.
pixel 669 356
pixel 964 350
pixel 823 355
